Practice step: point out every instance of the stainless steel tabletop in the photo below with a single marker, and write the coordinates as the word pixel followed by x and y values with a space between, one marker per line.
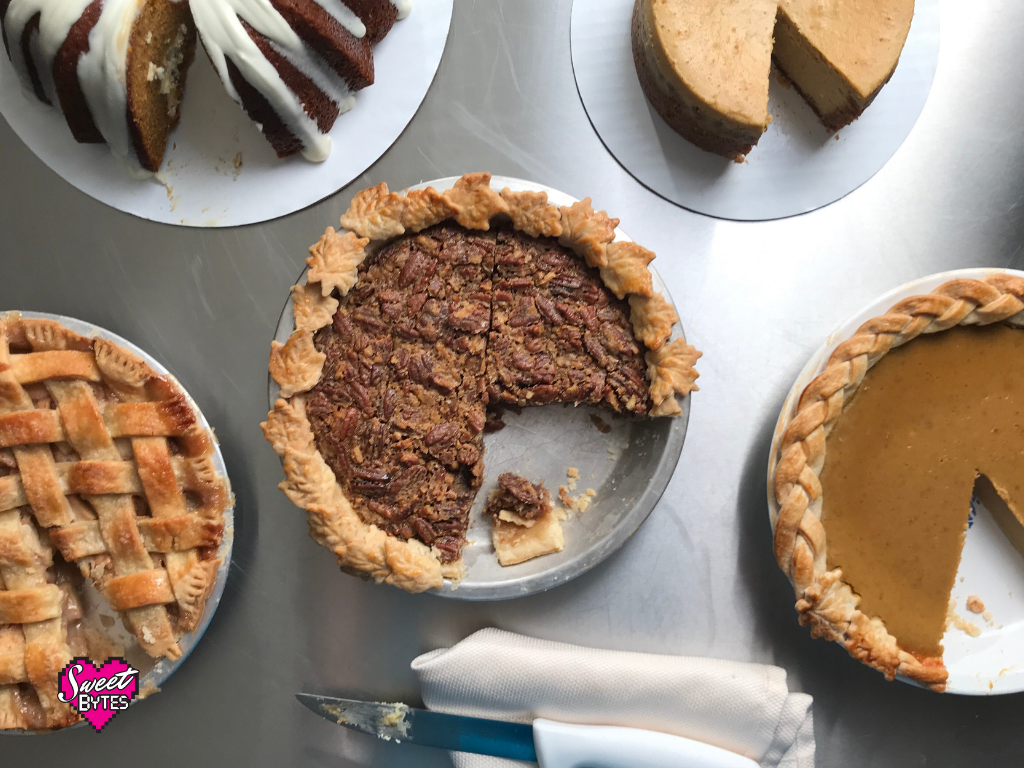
pixel 699 576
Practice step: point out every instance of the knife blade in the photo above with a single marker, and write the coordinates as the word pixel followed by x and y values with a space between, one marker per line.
pixel 429 729
pixel 550 743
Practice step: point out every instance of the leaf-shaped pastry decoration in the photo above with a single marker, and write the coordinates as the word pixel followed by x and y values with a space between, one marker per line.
pixel 587 232
pixel 367 554
pixel 296 365
pixel 667 407
pixel 425 208
pixel 375 213
pixel 671 372
pixel 626 271
pixel 287 428
pixel 120 368
pixel 475 200
pixel 531 213
pixel 334 261
pixel 311 309
pixel 652 318
pixel 413 567
pixel 308 480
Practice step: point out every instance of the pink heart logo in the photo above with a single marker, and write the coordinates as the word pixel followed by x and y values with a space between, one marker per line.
pixel 97 694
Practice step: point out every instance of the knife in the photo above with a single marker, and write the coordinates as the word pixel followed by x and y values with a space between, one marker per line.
pixel 550 743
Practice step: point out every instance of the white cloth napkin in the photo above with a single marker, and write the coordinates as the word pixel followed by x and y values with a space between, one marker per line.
pixel 746 708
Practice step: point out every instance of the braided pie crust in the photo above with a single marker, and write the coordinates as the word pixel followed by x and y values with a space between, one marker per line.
pixel 375 216
pixel 824 601
pixel 103 463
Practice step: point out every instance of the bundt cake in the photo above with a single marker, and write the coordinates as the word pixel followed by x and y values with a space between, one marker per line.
pixel 117 68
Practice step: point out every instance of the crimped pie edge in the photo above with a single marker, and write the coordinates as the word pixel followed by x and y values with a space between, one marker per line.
pixel 374 216
pixel 824 600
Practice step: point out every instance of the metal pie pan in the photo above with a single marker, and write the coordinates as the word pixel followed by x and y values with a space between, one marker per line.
pixel 628 467
pixel 993 662
pixel 153 673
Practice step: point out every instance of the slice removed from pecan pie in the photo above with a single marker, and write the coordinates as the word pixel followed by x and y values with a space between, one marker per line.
pixel 431 308
pixel 523 521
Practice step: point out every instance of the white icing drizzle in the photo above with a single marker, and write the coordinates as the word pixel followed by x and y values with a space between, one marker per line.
pixel 403 6
pixel 344 16
pixel 224 36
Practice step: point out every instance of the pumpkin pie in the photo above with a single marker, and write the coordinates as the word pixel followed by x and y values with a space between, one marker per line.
pixel 431 308
pixel 877 468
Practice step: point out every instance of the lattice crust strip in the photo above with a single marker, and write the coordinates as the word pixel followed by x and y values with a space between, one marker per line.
pixel 376 215
pixel 824 600
pixel 103 462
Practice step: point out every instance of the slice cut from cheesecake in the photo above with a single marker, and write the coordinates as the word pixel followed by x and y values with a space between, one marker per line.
pixel 839 53
pixel 704 65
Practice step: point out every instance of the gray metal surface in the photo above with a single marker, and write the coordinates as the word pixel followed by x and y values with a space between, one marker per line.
pixel 400 722
pixel 698 577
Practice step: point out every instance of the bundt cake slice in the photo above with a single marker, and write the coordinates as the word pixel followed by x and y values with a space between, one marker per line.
pixel 293 65
pixel 122 89
pixel 160 51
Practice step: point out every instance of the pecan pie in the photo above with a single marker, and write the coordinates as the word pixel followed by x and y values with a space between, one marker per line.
pixel 879 462
pixel 465 300
pixel 107 475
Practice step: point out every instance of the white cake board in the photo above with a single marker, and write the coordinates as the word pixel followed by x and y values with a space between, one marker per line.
pixel 796 167
pixel 219 171
pixel 990 567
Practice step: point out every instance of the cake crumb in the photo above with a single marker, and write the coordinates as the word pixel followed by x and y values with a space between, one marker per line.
pixel 987 616
pixel 573 472
pixel 237 164
pixel 974 604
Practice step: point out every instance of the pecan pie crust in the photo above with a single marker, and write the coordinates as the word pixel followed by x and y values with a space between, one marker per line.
pixel 399 347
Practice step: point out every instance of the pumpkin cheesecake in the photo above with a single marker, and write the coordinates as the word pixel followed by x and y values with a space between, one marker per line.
pixel 877 468
pixel 704 65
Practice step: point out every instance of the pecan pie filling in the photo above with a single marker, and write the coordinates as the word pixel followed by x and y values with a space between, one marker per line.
pixel 439 326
